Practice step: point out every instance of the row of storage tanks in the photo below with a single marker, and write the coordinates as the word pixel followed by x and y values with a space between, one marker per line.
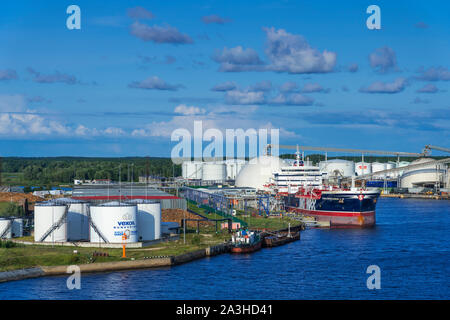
pixel 139 219
pixel 345 168
pixel 11 227
pixel 212 171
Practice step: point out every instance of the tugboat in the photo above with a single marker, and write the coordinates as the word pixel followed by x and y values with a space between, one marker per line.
pixel 245 241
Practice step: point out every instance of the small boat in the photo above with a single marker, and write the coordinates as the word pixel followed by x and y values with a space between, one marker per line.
pixel 246 242
pixel 280 239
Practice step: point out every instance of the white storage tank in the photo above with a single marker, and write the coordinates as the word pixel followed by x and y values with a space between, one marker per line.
pixel 363 168
pixel 234 166
pixel 401 164
pixel 391 165
pixel 258 172
pixel 376 167
pixel 112 220
pixel 17 227
pixel 46 215
pixel 337 168
pixel 148 219
pixel 5 228
pixel 214 171
pixel 77 218
pixel 192 170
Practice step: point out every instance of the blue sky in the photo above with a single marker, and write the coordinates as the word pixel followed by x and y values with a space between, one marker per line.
pixel 138 70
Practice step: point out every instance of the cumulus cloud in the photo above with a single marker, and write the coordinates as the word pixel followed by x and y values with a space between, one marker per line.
pixel 154 83
pixel 289 87
pixel 139 13
pixel 295 99
pixel 264 85
pixel 189 111
pixel 434 74
pixel 8 74
pixel 286 52
pixel 225 86
pixel 237 59
pixel 214 18
pixel 314 87
pixel 245 97
pixel 159 34
pixel 396 86
pixel 428 88
pixel 52 78
pixel 291 53
pixel 383 60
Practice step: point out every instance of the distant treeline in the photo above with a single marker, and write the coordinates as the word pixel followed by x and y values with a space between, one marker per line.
pixel 61 170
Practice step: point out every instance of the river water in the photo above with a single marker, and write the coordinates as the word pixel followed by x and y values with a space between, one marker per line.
pixel 410 244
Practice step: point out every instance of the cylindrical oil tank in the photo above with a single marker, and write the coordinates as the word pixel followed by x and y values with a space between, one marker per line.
pixel 6 228
pixel 338 168
pixel 363 168
pixel 45 216
pixel 192 169
pixel 77 218
pixel 401 164
pixel 112 220
pixel 214 172
pixel 148 219
pixel 378 166
pixel 391 165
pixel 17 227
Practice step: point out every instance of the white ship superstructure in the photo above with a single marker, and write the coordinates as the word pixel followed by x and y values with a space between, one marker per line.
pixel 288 179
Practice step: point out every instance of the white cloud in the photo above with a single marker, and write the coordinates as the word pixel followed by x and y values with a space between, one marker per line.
pixel 189 111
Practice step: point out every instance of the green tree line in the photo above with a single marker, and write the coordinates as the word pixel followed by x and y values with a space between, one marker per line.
pixel 64 170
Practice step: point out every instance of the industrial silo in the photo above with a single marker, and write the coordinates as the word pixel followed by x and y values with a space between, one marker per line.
pixel 5 228
pixel 148 219
pixel 192 170
pixel 337 168
pixel 214 171
pixel 110 221
pixel 401 164
pixel 391 165
pixel 50 222
pixel 17 227
pixel 363 168
pixel 376 167
pixel 77 218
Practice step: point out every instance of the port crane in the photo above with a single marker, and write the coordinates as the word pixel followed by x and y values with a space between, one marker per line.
pixel 360 151
pixel 428 149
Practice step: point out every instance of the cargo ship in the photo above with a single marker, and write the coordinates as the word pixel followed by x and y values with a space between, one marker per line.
pixel 341 207
pixel 304 191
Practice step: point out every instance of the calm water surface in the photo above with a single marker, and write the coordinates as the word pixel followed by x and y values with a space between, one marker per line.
pixel 410 244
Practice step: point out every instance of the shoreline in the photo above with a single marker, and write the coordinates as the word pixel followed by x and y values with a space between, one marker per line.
pixel 43 271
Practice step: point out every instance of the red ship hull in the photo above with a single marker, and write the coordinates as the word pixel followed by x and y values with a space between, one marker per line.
pixel 247 249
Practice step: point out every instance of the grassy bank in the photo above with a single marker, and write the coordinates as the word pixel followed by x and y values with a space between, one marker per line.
pixel 18 256
pixel 274 223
